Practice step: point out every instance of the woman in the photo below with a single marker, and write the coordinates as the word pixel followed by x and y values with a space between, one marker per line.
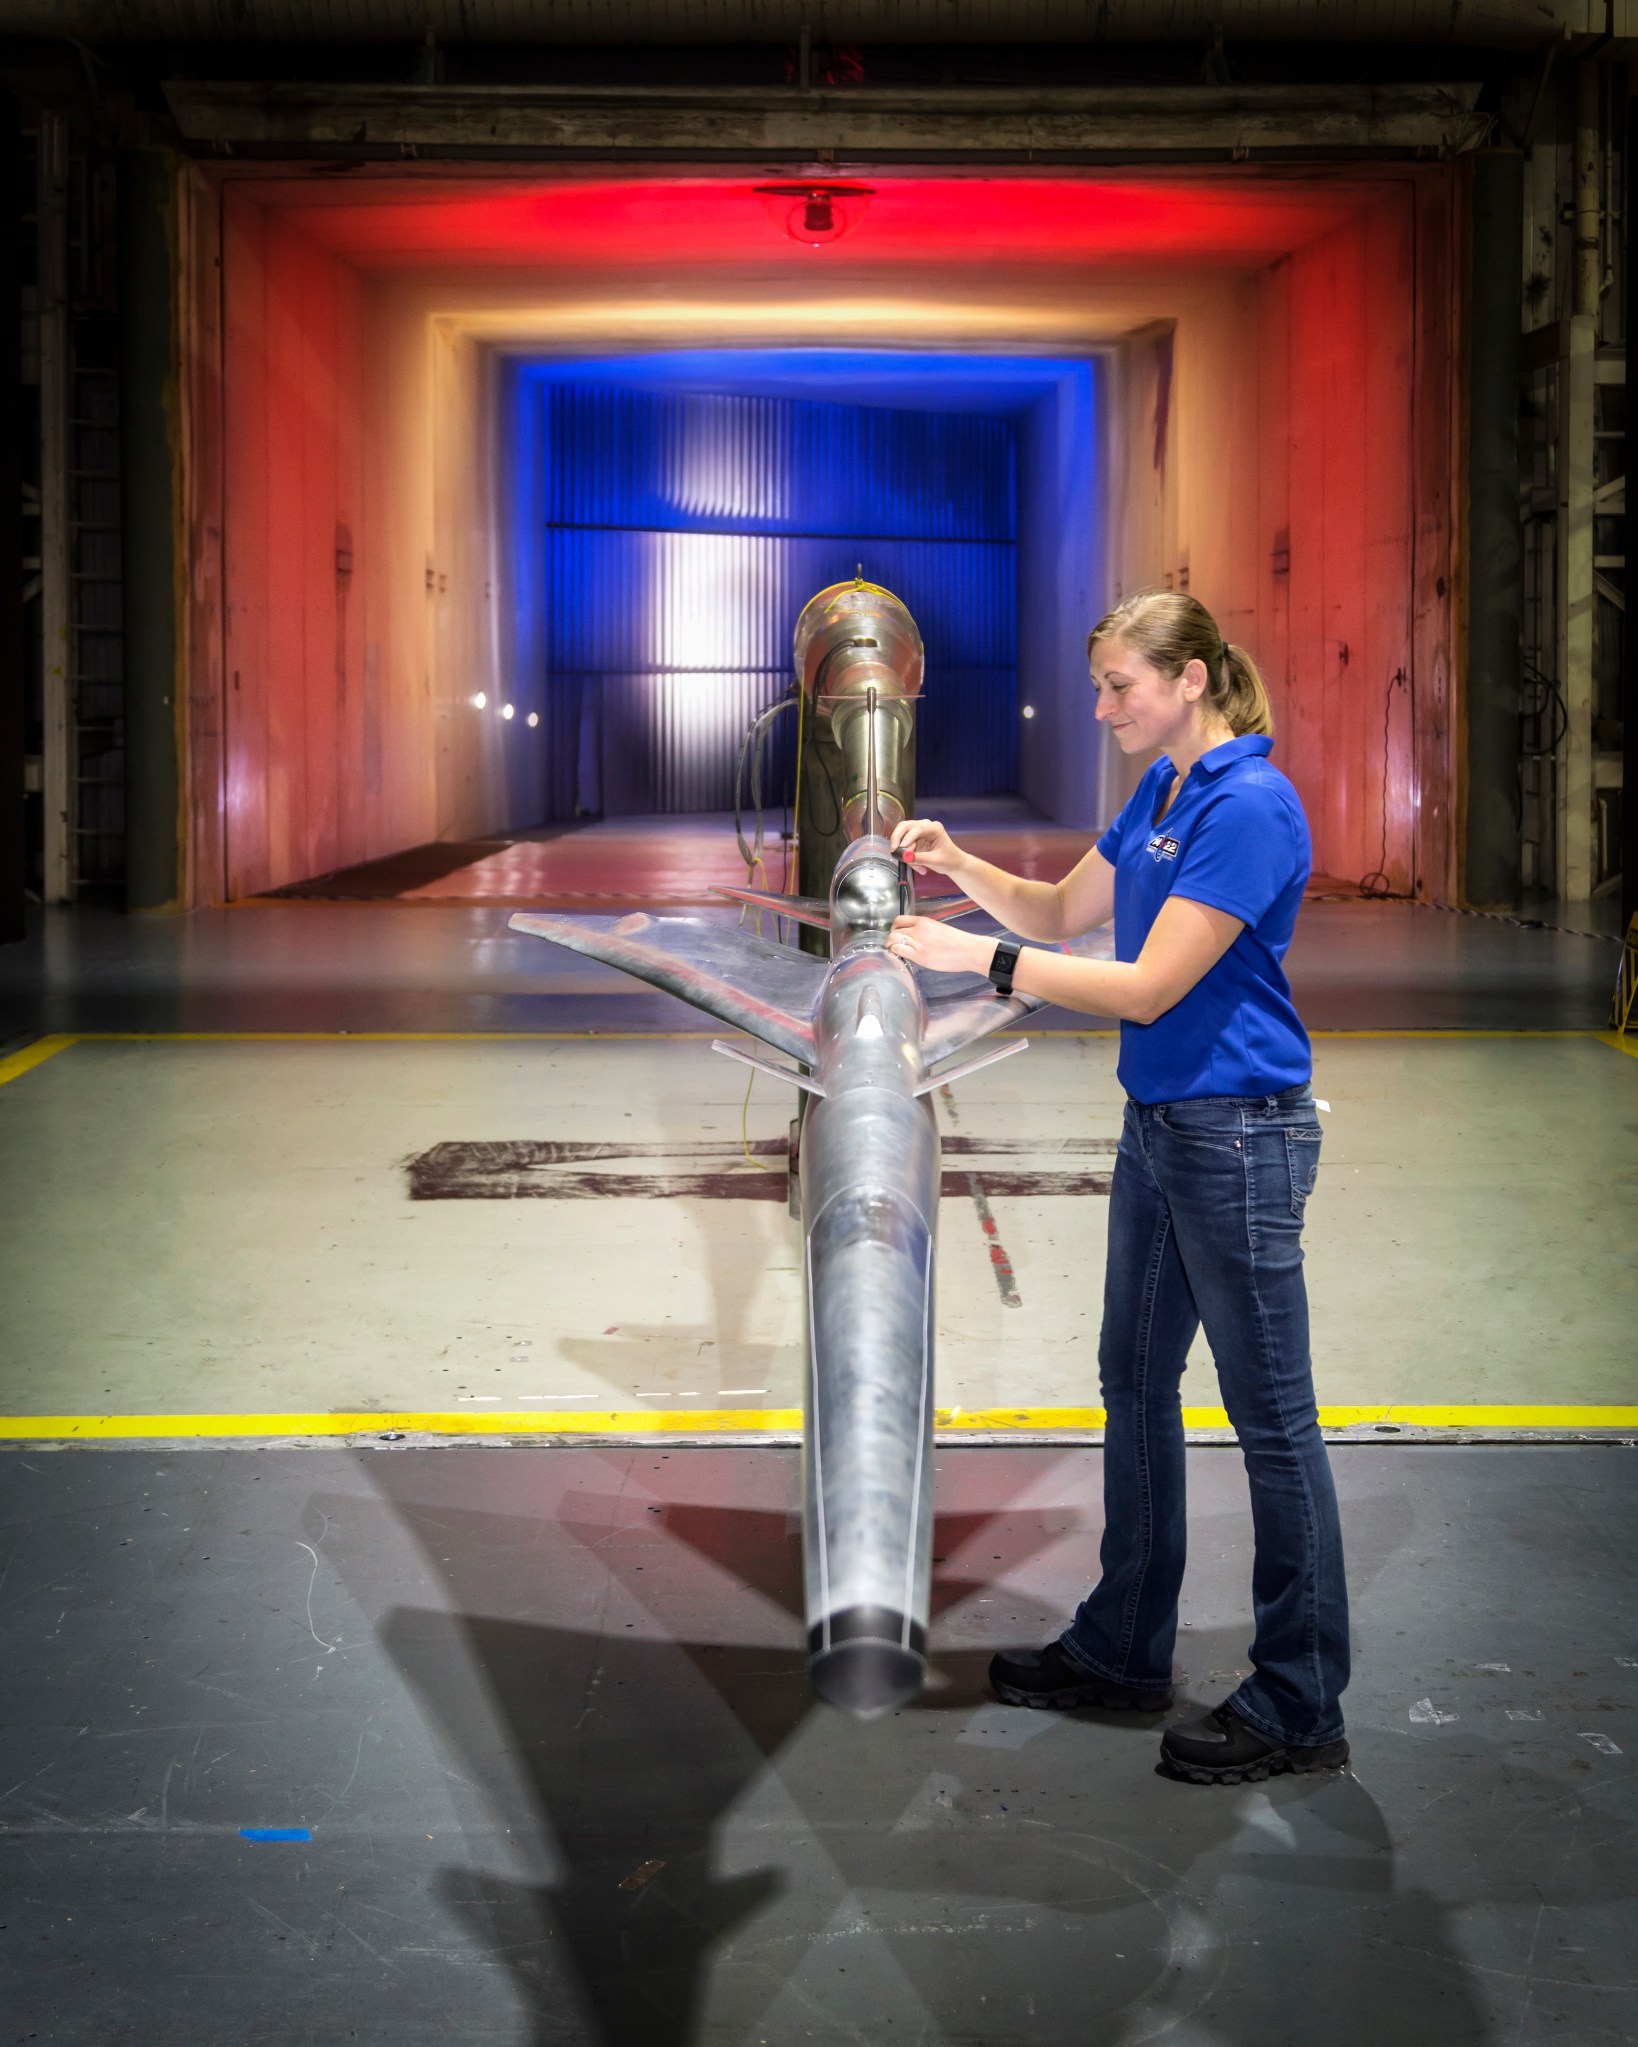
pixel 1204 872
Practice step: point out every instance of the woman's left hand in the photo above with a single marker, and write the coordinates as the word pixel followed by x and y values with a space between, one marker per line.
pixel 925 942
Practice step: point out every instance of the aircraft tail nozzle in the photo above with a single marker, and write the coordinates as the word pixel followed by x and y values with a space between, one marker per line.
pixel 872 1661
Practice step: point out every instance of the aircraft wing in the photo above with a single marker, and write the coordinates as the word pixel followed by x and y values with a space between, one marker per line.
pixel 769 990
pixel 962 1008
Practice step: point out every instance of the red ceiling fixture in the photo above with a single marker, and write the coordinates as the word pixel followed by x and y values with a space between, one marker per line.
pixel 815 214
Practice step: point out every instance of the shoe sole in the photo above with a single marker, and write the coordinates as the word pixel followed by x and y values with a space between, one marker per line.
pixel 1276 1765
pixel 1067 1700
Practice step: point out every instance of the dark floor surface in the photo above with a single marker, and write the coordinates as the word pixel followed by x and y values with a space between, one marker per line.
pixel 543 1714
pixel 390 967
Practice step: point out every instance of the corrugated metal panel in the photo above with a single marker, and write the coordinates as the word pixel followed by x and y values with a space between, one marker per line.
pixel 669 621
pixel 702 462
pixel 624 602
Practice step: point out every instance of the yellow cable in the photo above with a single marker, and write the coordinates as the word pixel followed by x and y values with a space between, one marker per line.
pixel 751 867
pixel 762 1165
pixel 796 807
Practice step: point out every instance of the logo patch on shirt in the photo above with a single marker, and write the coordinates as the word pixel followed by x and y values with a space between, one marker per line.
pixel 1162 848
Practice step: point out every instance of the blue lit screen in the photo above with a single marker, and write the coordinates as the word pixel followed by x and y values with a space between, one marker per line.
pixel 673 512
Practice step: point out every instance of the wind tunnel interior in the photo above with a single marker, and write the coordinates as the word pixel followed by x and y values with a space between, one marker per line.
pixel 520 485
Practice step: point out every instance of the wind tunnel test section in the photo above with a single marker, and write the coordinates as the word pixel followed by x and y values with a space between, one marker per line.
pixel 516 485
pixel 670 514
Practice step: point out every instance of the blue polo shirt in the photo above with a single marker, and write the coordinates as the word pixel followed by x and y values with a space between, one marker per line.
pixel 1235 839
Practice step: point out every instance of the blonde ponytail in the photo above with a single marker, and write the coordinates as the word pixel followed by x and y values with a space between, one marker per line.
pixel 1170 629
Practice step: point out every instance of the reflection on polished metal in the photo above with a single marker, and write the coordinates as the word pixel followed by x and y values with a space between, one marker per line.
pixel 872 1037
pixel 859 658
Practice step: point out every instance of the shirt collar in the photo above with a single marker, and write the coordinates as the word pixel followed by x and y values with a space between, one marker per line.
pixel 1246 746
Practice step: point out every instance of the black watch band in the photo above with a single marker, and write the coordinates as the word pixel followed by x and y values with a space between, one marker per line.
pixel 1004 964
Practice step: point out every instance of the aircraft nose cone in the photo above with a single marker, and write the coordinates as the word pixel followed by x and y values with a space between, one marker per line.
pixel 871 1663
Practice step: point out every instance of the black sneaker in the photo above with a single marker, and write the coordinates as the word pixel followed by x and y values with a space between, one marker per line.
pixel 1221 1748
pixel 1047 1677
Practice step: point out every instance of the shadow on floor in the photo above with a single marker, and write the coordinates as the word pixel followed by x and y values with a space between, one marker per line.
pixel 718 1859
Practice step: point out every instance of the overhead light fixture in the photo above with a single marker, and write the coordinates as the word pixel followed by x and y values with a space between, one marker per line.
pixel 533 719
pixel 479 701
pixel 506 710
pixel 815 214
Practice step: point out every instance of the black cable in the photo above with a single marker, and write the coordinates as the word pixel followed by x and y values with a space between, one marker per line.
pixel 816 761
pixel 750 749
pixel 1376 884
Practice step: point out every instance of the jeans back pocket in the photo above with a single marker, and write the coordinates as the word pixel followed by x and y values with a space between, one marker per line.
pixel 1302 1156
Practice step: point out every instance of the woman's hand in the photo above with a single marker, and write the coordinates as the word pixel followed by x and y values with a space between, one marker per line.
pixel 924 843
pixel 925 942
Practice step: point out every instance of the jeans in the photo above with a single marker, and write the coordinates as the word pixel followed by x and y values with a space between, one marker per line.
pixel 1205 1227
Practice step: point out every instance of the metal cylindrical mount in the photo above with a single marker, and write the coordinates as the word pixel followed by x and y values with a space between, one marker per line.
pixel 150 484
pixel 831 810
pixel 1494 546
pixel 859 656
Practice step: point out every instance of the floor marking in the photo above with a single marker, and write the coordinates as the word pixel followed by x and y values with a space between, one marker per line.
pixel 646 1421
pixel 1621 1041
pixel 31 1056
pixel 1000 1264
pixel 577 1169
pixel 1575 1031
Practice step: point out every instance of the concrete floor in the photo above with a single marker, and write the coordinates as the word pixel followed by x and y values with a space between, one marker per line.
pixel 535 1719
pixel 539 1722
pixel 229 1226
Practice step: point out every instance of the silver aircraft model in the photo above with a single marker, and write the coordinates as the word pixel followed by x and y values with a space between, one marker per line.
pixel 868 1038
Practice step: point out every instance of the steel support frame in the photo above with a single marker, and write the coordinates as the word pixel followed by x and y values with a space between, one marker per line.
pixel 1577 381
pixel 1629 661
pixel 57 765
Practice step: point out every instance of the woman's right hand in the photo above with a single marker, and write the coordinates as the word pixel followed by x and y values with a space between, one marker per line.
pixel 924 843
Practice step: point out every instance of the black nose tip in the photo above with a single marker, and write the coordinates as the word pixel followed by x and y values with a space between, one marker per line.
pixel 872 1661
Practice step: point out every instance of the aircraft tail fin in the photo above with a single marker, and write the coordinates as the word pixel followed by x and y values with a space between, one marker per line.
pixel 804 909
pixel 943 907
pixel 962 1008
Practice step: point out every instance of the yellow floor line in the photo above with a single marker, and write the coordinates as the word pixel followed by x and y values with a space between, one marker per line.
pixel 741 1420
pixel 1578 1031
pixel 31 1056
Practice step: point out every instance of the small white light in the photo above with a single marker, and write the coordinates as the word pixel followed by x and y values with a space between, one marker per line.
pixel 479 701
pixel 1029 710
pixel 533 718
pixel 506 710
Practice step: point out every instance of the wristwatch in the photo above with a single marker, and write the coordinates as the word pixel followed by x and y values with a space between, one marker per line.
pixel 1003 964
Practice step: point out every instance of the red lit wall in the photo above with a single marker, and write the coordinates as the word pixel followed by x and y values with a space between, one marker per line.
pixel 1275 428
pixel 357 548
pixel 1292 468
